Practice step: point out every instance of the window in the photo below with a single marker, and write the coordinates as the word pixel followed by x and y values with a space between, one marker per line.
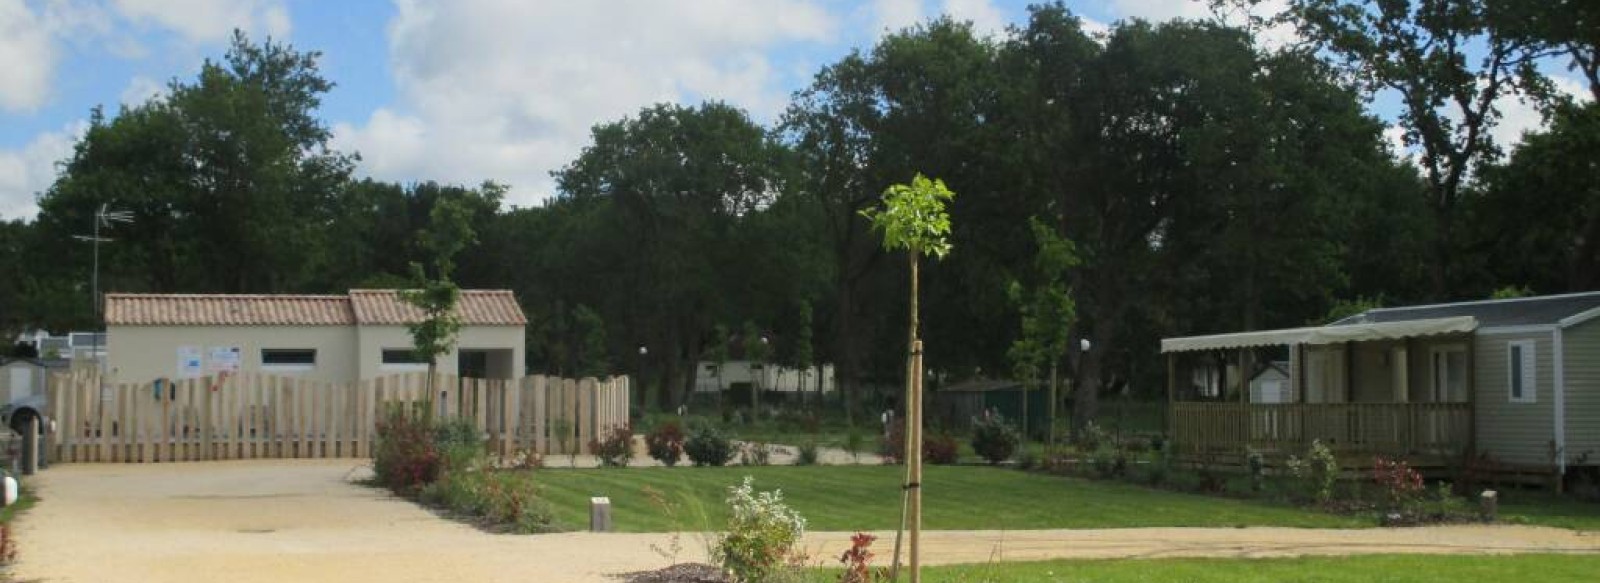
pixel 402 357
pixel 1522 371
pixel 288 358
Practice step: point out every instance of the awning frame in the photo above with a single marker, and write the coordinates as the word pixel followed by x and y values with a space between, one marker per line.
pixel 1322 335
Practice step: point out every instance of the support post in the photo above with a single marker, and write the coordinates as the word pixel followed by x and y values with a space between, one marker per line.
pixel 1172 393
pixel 30 446
pixel 914 459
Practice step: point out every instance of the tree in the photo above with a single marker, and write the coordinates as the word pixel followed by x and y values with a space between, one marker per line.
pixel 1537 221
pixel 592 361
pixel 719 355
pixel 1048 314
pixel 803 356
pixel 913 219
pixel 1448 63
pixel 669 188
pixel 755 352
pixel 435 294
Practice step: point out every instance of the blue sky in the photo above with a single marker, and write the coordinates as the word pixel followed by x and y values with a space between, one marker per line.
pixel 458 91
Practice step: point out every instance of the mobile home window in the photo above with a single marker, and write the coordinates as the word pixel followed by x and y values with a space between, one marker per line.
pixel 289 357
pixel 401 356
pixel 1521 373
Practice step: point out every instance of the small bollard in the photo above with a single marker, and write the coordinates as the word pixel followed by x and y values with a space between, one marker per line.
pixel 1489 504
pixel 599 514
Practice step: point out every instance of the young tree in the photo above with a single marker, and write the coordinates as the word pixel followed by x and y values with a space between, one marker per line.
pixel 755 352
pixel 719 354
pixel 803 356
pixel 435 293
pixel 913 219
pixel 1048 314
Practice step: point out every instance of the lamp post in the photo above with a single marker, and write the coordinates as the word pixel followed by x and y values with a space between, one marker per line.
pixel 643 352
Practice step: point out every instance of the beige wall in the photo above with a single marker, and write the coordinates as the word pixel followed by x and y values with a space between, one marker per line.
pixel 374 340
pixel 1513 432
pixel 1581 345
pixel 145 353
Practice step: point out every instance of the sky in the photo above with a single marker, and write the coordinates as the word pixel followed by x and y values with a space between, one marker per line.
pixel 463 91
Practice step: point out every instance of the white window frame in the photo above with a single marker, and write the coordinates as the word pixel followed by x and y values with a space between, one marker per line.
pixel 262 354
pixel 1530 371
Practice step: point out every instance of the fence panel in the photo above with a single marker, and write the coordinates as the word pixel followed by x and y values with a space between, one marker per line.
pixel 256 416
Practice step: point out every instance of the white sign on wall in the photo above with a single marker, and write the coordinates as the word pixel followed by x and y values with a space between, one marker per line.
pixel 190 363
pixel 225 359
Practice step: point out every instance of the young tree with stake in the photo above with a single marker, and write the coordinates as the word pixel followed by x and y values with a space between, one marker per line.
pixel 913 218
pixel 449 231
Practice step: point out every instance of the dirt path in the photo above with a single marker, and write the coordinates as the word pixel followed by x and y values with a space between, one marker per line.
pixel 302 521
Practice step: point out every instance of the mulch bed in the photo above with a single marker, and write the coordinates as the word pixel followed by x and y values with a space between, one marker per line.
pixel 679 573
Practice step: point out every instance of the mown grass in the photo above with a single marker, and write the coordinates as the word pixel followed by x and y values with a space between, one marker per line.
pixel 868 498
pixel 1543 508
pixel 25 500
pixel 1352 569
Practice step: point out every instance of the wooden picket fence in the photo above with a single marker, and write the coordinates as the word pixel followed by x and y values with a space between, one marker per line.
pixel 260 416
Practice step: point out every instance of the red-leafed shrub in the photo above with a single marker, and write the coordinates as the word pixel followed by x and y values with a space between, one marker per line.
pixel 1401 484
pixel 940 449
pixel 615 448
pixel 665 442
pixel 407 456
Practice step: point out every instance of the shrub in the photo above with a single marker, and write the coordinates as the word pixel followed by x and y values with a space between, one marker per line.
pixel 1091 438
pixel 1160 465
pixel 993 439
pixel 857 561
pixel 615 448
pixel 504 499
pixel 1257 464
pixel 807 455
pixel 1402 486
pixel 1316 474
pixel 940 449
pixel 762 534
pixel 8 545
pixel 854 442
pixel 459 444
pixel 665 442
pixel 893 447
pixel 755 453
pixel 708 447
pixel 407 454
pixel 1028 459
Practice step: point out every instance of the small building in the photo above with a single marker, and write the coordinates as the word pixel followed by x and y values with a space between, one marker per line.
pixel 1271 384
pixel 709 377
pixel 22 377
pixel 1517 380
pixel 333 338
pixel 955 405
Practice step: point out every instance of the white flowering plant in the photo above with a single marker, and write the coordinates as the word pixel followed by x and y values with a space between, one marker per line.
pixel 763 534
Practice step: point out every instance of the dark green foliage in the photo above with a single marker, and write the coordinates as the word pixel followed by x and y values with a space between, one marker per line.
pixel 993 439
pixel 615 447
pixel 807 454
pixel 406 456
pixel 707 446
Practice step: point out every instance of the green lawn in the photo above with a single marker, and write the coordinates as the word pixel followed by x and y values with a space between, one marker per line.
pixel 1394 568
pixel 25 500
pixel 868 497
pixel 1549 510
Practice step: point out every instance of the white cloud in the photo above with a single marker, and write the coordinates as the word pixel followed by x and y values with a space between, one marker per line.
pixel 141 89
pixel 209 21
pixel 26 172
pixel 1519 115
pixel 987 20
pixel 1159 10
pixel 507 90
pixel 28 57
pixel 893 15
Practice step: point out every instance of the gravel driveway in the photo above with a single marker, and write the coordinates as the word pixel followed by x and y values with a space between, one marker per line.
pixel 302 520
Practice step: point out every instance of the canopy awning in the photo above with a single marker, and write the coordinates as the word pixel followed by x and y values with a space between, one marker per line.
pixel 1323 334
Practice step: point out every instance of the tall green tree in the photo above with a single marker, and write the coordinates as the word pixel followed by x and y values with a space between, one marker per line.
pixel 672 185
pixel 592 358
pixel 1448 62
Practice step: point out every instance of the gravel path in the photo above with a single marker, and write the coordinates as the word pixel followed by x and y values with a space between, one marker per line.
pixel 272 521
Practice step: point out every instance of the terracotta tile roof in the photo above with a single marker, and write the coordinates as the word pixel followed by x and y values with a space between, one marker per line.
pixel 227 310
pixel 479 307
pixel 377 307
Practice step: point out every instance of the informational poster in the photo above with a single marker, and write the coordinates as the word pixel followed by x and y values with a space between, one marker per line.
pixel 190 363
pixel 225 359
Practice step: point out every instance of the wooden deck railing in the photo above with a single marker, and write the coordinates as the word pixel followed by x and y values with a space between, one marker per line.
pixel 1388 428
